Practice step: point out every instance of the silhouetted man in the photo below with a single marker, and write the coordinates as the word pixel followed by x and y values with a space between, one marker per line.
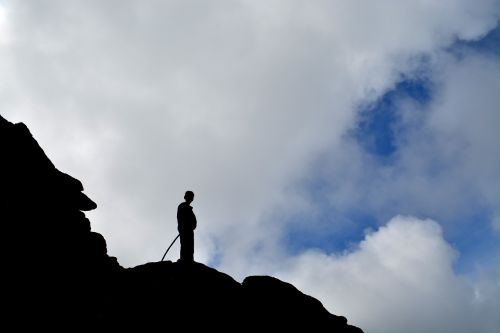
pixel 186 223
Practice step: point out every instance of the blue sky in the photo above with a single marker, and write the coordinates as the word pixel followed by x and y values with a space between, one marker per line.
pixel 377 131
pixel 348 147
pixel 475 239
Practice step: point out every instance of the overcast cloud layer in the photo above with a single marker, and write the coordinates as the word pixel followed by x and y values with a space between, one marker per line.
pixel 248 103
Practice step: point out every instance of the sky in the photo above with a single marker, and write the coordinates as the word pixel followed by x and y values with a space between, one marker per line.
pixel 348 147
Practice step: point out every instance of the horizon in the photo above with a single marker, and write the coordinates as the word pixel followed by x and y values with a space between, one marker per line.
pixel 348 148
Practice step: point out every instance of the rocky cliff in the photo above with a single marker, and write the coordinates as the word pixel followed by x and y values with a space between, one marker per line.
pixel 57 273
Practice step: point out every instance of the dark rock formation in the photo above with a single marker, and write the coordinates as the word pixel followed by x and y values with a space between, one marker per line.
pixel 57 273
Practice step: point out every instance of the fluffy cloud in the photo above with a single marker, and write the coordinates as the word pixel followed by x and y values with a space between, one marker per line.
pixel 236 101
pixel 447 163
pixel 3 26
pixel 142 101
pixel 399 279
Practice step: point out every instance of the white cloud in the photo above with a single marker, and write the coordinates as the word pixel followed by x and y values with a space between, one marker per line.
pixel 399 279
pixel 236 100
pixel 466 118
pixel 447 163
pixel 4 36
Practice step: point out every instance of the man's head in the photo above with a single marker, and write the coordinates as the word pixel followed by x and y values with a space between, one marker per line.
pixel 189 196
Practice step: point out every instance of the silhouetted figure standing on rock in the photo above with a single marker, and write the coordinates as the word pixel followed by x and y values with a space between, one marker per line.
pixel 186 223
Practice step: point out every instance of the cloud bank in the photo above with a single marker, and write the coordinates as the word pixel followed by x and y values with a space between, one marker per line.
pixel 400 279
pixel 250 104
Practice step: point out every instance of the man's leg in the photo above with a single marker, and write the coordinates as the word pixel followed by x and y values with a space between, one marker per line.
pixel 187 246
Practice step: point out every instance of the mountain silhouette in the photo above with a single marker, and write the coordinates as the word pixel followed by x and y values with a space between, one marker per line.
pixel 57 273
